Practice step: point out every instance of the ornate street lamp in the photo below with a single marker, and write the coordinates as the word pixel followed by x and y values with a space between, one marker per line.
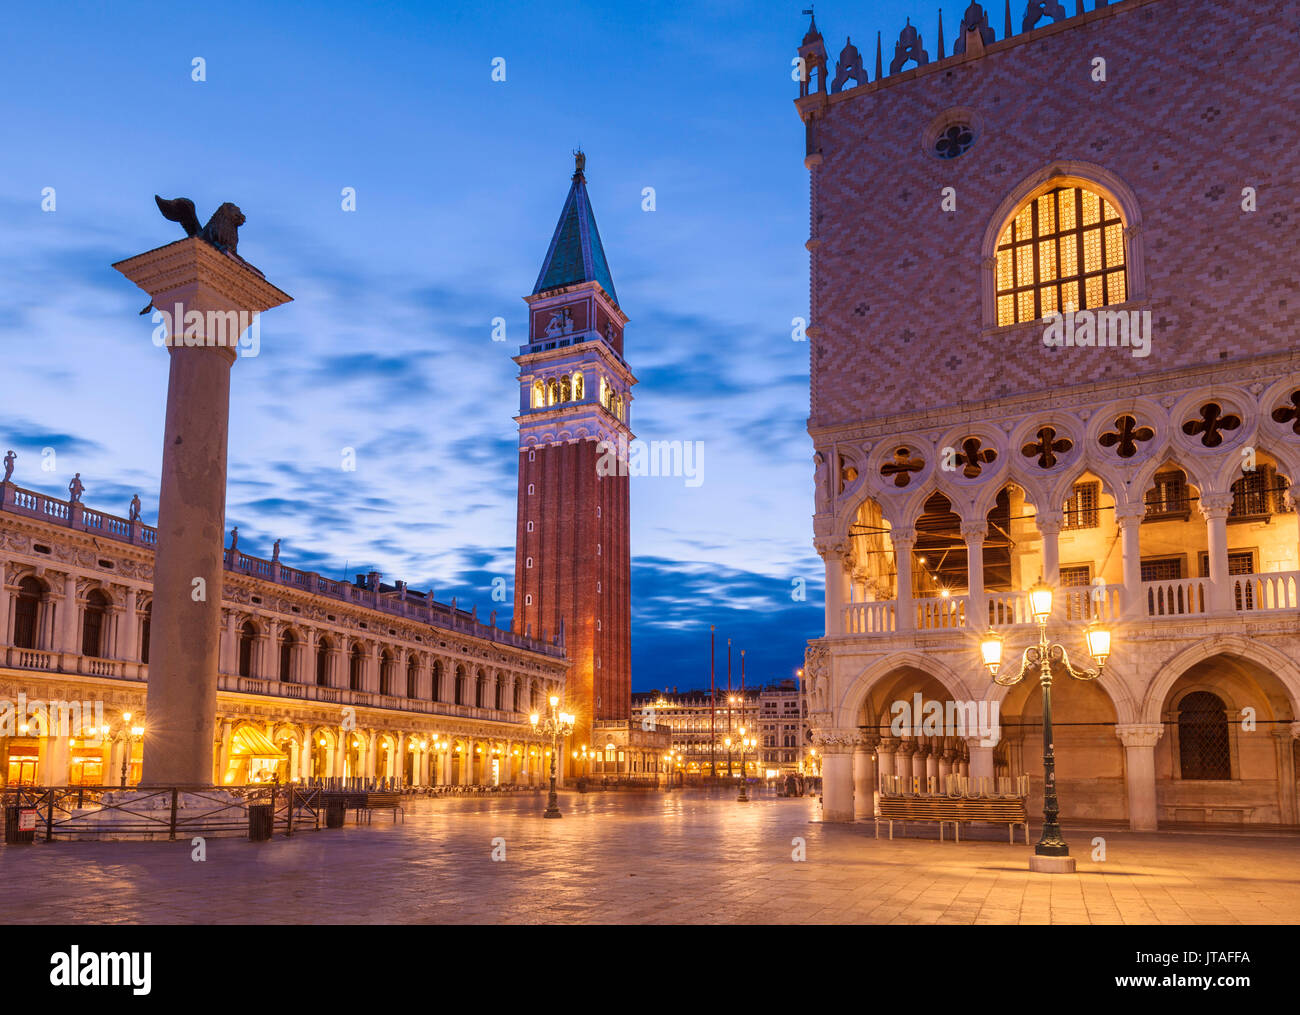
pixel 557 724
pixel 745 744
pixel 1042 656
pixel 126 735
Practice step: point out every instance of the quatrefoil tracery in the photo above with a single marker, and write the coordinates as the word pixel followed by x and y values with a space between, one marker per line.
pixel 902 467
pixel 1289 413
pixel 973 457
pixel 1211 425
pixel 1126 436
pixel 1047 447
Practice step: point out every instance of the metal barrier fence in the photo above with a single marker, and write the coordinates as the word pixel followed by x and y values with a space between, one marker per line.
pixel 171 812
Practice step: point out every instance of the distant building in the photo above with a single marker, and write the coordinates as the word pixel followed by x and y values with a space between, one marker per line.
pixel 699 726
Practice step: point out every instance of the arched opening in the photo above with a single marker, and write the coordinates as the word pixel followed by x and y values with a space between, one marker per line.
pixel 412 677
pixel 287 642
pixel 323 662
pixel 145 624
pixel 480 690
pixel 247 637
pixel 94 624
pixel 356 664
pixel 579 388
pixel 27 611
pixel 539 394
pixel 1174 542
pixel 435 681
pixel 386 672
pixel 500 691
pixel 1223 758
pixel 566 389
pixel 552 391
pixel 322 754
pixel 462 688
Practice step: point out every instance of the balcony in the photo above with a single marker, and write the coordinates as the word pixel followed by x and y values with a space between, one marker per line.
pixel 1247 594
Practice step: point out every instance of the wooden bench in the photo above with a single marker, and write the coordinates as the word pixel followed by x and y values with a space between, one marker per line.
pixel 944 810
pixel 370 802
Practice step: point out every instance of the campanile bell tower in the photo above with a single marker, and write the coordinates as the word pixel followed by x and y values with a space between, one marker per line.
pixel 572 551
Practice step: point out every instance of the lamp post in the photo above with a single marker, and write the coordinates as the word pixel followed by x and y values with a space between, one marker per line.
pixel 557 724
pixel 745 743
pixel 126 735
pixel 1042 655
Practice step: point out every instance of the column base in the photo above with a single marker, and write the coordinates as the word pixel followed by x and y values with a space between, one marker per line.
pixel 1051 864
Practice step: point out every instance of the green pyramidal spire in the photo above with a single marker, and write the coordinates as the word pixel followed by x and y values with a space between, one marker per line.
pixel 576 254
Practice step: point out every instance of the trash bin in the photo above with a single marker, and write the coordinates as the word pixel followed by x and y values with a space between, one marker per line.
pixel 261 818
pixel 335 808
pixel 20 825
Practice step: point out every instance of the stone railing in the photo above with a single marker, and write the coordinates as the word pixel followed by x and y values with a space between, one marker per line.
pixel 1184 597
pixel 33 504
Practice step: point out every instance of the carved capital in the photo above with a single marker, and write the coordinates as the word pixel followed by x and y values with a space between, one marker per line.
pixel 836 741
pixel 974 530
pixel 903 536
pixel 832 549
pixel 1049 522
pixel 1215 505
pixel 1139 734
pixel 1128 514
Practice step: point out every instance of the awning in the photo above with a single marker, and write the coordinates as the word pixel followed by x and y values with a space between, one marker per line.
pixel 249 742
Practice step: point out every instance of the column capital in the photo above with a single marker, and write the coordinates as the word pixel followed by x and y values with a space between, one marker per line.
pixel 1128 514
pixel 906 746
pixel 869 739
pixel 1049 522
pixel 836 741
pixel 1139 734
pixel 904 535
pixel 833 548
pixel 1215 505
pixel 1295 730
pixel 974 530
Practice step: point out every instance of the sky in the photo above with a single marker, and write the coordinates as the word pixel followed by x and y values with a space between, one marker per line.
pixel 387 346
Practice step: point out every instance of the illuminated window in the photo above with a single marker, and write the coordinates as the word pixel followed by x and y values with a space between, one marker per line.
pixel 539 394
pixel 1081 508
pixel 1063 251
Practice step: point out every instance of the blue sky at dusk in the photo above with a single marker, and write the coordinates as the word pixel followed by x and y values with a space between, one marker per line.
pixel 387 346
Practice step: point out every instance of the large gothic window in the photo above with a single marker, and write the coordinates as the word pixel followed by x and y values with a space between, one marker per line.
pixel 1062 251
pixel 1203 737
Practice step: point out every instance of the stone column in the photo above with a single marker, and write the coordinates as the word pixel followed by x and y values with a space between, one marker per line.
pixel 5 603
pixel 981 763
pixel 903 761
pixel 128 634
pixel 836 749
pixel 837 586
pixel 932 764
pixel 919 757
pixel 903 538
pixel 1287 805
pixel 884 760
pixel 1049 528
pixel 399 771
pixel 1129 519
pixel 977 614
pixel 195 279
pixel 68 629
pixel 57 756
pixel 1214 508
pixel 864 777
pixel 1139 740
pixel 223 758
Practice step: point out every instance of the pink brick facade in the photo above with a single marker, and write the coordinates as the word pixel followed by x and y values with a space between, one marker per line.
pixel 935 510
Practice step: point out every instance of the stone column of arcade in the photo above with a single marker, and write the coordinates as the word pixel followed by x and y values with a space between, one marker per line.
pixel 188 276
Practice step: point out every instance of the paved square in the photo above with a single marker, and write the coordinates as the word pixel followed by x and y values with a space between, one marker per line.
pixel 683 857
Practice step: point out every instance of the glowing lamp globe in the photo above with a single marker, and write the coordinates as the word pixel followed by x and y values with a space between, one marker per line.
pixel 1040 601
pixel 1098 639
